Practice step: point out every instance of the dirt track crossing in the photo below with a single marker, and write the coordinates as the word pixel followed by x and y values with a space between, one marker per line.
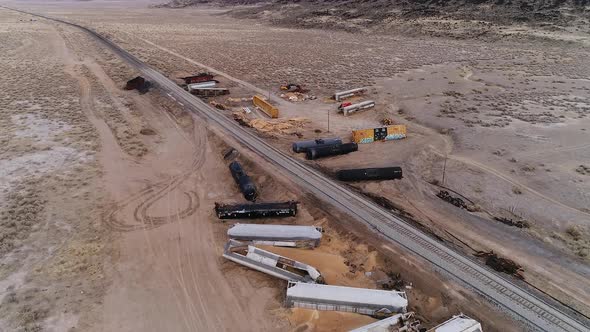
pixel 149 196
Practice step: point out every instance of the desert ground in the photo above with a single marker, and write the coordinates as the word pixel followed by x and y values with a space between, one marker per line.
pixel 106 195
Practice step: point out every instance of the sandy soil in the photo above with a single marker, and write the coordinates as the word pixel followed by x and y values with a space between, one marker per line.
pixel 72 261
pixel 133 243
pixel 52 242
pixel 509 117
pixel 141 248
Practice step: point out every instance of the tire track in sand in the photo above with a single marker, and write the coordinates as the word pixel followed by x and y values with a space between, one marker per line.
pixel 148 197
pixel 145 199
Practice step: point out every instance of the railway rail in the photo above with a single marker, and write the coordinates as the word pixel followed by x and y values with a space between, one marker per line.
pixel 533 311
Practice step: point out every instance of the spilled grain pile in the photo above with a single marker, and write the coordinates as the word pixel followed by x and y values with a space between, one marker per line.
pixel 274 127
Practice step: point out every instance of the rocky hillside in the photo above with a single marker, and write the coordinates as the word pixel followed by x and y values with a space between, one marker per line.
pixel 370 13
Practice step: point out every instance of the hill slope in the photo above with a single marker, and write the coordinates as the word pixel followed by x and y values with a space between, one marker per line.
pixel 374 12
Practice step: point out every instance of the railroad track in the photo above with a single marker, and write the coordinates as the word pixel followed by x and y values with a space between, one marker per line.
pixel 535 313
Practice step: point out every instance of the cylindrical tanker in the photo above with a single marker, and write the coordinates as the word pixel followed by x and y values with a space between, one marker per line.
pixel 303 146
pixel 330 150
pixel 243 181
pixel 383 173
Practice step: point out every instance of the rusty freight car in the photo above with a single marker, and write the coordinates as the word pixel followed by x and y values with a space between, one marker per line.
pixel 201 77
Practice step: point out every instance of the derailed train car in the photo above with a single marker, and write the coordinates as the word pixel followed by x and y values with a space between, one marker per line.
pixel 458 323
pixel 243 181
pixel 373 302
pixel 256 210
pixel 270 263
pixel 200 77
pixel 330 150
pixel 209 92
pixel 303 146
pixel 360 174
pixel 387 133
pixel 352 108
pixel 277 235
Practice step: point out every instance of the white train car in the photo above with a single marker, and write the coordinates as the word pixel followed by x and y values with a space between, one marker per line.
pixel 270 263
pixel 277 235
pixel 349 93
pixel 459 323
pixel 373 302
pixel 395 323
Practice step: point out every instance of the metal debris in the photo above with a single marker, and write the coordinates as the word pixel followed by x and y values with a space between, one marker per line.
pixel 271 263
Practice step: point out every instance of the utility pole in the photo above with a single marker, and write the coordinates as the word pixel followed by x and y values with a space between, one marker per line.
pixel 444 170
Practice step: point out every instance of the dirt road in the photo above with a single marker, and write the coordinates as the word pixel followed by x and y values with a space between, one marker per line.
pixel 508 179
pixel 170 277
pixel 248 85
pixel 166 274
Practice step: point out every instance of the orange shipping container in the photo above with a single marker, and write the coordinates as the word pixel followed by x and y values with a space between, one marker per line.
pixel 266 107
